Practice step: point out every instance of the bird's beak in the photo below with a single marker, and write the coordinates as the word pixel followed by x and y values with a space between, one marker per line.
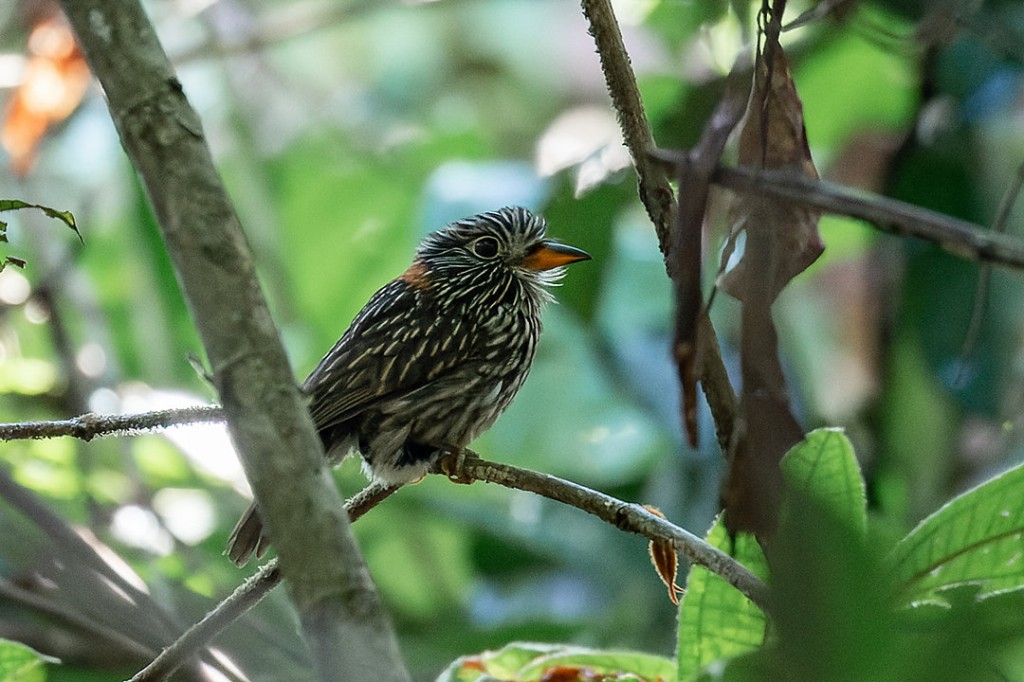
pixel 549 254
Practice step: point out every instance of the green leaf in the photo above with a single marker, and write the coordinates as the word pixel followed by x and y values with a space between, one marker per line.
pixel 824 467
pixel 973 539
pixel 18 663
pixel 716 621
pixel 65 217
pixel 610 664
pixel 528 662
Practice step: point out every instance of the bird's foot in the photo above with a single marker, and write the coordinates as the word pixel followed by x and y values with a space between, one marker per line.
pixel 453 465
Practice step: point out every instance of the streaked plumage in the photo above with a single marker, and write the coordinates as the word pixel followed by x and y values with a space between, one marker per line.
pixel 436 355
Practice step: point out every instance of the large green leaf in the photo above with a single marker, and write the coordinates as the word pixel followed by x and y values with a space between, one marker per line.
pixel 973 539
pixel 824 467
pixel 716 621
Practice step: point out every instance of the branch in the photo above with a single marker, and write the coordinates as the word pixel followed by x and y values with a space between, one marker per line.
pixel 695 345
pixel 74 548
pixel 660 202
pixel 622 515
pixel 958 237
pixel 985 274
pixel 88 426
pixel 343 620
pixel 94 578
pixel 655 192
pixel 248 594
pixel 625 516
pixel 277 26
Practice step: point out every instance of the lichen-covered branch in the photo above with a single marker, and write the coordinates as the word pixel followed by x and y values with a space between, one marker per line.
pixel 347 629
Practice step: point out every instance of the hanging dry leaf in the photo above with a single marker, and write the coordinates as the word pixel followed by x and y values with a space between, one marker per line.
pixel 781 241
pixel 54 83
pixel 665 560
pixel 772 136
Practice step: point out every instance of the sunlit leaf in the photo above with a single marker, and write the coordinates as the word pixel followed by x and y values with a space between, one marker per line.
pixel 976 538
pixel 716 621
pixel 825 467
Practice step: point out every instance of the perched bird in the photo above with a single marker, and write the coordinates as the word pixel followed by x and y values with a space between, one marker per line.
pixel 436 355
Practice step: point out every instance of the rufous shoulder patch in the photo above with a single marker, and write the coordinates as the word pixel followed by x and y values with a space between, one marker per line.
pixel 417 275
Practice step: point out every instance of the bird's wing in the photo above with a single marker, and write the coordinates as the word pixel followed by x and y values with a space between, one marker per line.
pixel 398 343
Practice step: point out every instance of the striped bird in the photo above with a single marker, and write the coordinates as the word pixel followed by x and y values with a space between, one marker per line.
pixel 436 355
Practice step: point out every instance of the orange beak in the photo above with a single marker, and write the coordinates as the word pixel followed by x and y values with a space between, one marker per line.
pixel 549 254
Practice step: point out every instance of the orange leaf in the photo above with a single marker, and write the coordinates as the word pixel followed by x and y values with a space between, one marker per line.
pixel 665 560
pixel 54 83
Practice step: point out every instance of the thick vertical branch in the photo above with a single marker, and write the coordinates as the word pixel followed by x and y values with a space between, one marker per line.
pixel 348 632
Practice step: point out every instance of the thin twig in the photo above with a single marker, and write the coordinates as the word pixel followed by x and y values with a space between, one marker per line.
pixel 621 514
pixel 985 274
pixel 88 426
pixel 247 595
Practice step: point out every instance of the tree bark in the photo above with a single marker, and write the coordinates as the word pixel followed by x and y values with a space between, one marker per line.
pixel 348 632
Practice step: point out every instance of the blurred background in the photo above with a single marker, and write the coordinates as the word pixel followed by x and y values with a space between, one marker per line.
pixel 347 130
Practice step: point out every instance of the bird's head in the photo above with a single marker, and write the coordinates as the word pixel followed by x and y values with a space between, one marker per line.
pixel 505 253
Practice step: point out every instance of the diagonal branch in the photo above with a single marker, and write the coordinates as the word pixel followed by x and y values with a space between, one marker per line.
pixel 344 623
pixel 246 596
pixel 658 198
pixel 958 237
pixel 627 516
pixel 623 515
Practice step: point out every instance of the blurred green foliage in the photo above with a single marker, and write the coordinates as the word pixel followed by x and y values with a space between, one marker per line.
pixel 343 145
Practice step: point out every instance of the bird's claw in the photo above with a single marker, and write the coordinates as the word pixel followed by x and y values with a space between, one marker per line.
pixel 453 465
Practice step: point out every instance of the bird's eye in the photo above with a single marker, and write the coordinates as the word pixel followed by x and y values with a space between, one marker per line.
pixel 485 247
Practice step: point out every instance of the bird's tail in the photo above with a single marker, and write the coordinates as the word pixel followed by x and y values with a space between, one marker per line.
pixel 247 538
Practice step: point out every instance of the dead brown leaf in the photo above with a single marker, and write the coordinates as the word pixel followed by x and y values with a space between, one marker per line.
pixel 786 236
pixel 781 241
pixel 665 560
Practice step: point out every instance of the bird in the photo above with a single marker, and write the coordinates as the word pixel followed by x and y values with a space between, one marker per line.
pixel 435 356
